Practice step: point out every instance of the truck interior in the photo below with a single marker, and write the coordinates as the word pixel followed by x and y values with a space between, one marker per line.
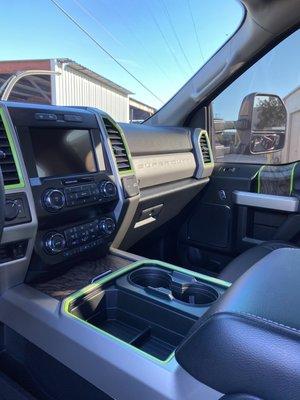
pixel 159 260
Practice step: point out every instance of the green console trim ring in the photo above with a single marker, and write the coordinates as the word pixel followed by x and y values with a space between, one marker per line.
pixel 93 286
pixel 11 142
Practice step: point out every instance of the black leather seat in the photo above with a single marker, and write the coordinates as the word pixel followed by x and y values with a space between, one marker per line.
pixel 248 341
pixel 246 260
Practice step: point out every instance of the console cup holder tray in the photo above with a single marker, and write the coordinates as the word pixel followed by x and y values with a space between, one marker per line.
pixel 173 285
pixel 150 306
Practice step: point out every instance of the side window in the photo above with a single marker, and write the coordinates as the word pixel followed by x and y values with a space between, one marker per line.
pixel 30 89
pixel 257 118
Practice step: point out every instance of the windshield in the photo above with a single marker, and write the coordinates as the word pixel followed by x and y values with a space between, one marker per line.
pixel 126 57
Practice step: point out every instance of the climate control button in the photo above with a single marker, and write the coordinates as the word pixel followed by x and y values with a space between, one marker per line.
pixel 54 200
pixel 54 242
pixel 107 226
pixel 107 189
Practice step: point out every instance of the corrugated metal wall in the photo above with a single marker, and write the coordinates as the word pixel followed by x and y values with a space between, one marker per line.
pixel 72 88
pixel 291 150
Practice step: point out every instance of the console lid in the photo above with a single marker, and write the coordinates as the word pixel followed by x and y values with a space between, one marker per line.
pixel 249 341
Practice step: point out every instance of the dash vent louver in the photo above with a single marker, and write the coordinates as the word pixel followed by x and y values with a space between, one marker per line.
pixel 7 161
pixel 118 146
pixel 205 149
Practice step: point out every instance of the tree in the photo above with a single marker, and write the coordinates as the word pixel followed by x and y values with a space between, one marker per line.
pixel 268 112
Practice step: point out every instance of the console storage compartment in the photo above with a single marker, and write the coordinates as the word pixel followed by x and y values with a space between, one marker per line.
pixel 148 305
pixel 135 320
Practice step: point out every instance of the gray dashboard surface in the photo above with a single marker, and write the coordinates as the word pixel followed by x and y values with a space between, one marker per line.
pixel 160 154
pixel 165 164
pixel 144 139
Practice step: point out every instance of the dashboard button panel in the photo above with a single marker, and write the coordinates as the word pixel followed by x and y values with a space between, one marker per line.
pixel 90 193
pixel 79 238
pixel 75 197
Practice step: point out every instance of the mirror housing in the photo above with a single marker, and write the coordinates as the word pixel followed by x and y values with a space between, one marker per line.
pixel 261 126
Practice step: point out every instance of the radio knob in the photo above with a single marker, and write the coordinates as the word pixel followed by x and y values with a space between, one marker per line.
pixel 54 242
pixel 107 226
pixel 54 200
pixel 107 189
pixel 11 210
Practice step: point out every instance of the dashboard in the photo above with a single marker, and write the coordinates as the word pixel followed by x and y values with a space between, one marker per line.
pixel 76 183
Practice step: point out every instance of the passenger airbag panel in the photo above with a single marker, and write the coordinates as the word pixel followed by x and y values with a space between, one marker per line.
pixel 159 169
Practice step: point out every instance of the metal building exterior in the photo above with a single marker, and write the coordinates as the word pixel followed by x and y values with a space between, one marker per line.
pixel 73 84
pixel 291 148
pixel 79 86
pixel 139 111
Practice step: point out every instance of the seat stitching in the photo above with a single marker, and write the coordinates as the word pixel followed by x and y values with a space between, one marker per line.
pixel 268 321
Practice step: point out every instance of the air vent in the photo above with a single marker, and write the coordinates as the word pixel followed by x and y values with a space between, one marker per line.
pixel 7 162
pixel 118 146
pixel 205 149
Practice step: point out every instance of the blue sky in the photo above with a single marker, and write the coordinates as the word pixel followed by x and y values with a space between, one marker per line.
pixel 154 39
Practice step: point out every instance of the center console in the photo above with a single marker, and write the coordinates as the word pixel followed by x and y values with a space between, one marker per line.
pixel 72 192
pixel 72 183
pixel 149 306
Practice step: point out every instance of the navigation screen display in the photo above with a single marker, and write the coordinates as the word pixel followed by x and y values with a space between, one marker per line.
pixel 60 152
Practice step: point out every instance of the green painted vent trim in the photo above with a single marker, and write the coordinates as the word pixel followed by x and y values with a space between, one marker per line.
pixel 11 142
pixel 93 286
pixel 211 156
pixel 130 170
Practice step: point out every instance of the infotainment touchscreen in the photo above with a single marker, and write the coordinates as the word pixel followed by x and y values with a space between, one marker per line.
pixel 60 152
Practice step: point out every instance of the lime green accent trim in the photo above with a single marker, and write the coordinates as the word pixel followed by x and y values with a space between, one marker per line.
pixel 204 133
pixel 11 142
pixel 90 288
pixel 125 173
pixel 131 170
pixel 258 178
pixel 292 178
pixel 255 175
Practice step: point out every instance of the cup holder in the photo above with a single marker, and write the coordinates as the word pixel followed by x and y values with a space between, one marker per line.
pixel 196 293
pixel 153 277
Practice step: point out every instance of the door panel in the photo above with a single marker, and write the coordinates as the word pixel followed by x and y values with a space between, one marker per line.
pixel 219 229
pixel 214 228
pixel 211 223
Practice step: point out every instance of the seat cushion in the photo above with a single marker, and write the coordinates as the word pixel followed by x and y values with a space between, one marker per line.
pixel 244 261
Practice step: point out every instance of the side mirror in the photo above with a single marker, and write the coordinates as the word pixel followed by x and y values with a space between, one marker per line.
pixel 261 125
